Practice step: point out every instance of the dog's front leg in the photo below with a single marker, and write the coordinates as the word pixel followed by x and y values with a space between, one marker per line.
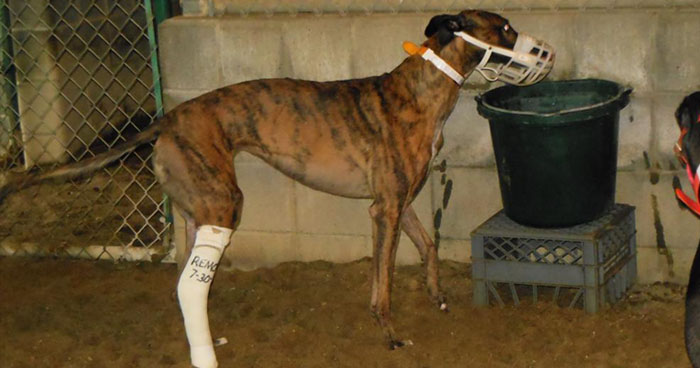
pixel 385 233
pixel 412 226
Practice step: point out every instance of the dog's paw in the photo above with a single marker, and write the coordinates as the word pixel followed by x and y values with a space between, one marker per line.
pixel 394 344
pixel 441 302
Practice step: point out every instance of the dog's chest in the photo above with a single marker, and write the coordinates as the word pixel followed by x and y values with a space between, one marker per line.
pixel 441 119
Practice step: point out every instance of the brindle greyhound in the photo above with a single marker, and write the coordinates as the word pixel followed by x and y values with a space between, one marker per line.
pixel 688 152
pixel 364 138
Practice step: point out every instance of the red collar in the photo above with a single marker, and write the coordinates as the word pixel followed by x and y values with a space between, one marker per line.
pixel 693 204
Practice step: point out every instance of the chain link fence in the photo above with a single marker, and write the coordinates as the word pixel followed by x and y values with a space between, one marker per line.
pixel 79 77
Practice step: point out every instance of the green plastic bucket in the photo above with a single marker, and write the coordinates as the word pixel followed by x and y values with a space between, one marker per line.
pixel 556 148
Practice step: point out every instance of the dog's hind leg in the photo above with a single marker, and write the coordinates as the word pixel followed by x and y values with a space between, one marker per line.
pixel 412 226
pixel 182 256
pixel 199 177
pixel 190 232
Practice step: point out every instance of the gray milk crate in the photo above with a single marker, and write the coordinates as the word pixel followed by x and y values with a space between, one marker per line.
pixel 597 260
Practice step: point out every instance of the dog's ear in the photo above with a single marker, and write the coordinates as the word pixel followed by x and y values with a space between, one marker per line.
pixel 445 25
pixel 442 21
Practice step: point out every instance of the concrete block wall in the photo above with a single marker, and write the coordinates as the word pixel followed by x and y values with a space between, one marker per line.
pixel 645 46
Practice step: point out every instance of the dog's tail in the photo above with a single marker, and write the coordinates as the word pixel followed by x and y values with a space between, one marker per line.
pixel 14 182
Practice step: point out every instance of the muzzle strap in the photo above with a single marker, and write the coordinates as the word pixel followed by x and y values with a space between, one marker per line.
pixel 529 62
pixel 429 55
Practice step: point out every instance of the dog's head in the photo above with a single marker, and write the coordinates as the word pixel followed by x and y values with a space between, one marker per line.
pixel 488 27
pixel 505 55
pixel 687 149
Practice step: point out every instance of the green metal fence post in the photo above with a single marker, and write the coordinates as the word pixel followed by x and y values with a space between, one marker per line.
pixel 8 88
pixel 153 43
pixel 162 12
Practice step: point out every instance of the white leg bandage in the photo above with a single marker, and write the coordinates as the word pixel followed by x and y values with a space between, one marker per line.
pixel 193 290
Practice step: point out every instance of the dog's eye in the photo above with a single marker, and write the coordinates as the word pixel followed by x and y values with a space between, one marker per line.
pixel 506 27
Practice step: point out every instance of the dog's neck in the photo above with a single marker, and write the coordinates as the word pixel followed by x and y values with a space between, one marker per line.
pixel 434 94
pixel 459 55
pixel 431 87
pixel 427 78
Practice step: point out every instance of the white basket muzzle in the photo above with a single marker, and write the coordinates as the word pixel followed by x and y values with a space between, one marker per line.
pixel 529 62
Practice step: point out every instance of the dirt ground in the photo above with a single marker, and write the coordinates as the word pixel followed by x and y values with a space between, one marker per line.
pixel 62 313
